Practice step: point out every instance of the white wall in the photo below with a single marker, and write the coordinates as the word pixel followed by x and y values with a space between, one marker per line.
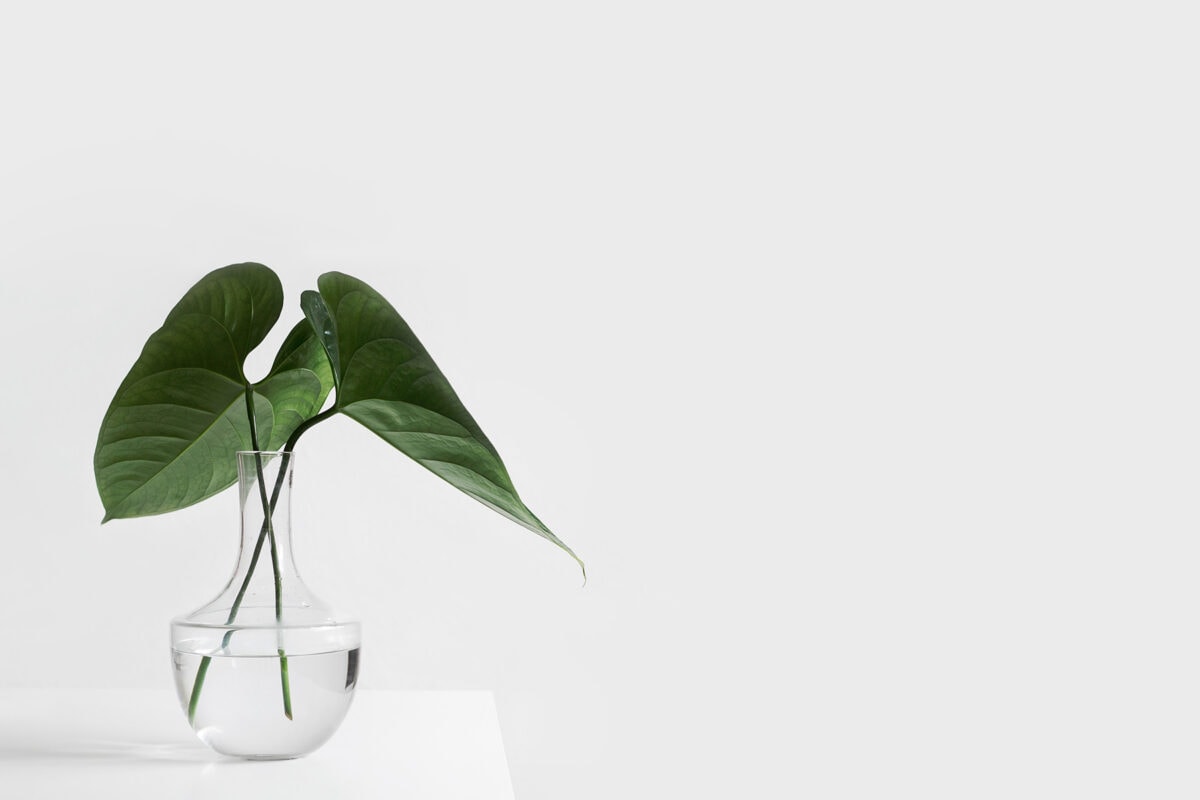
pixel 853 345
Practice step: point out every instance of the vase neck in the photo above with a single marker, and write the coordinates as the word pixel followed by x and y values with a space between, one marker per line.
pixel 265 485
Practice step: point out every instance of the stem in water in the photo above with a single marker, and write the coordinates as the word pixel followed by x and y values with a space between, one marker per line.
pixel 267 531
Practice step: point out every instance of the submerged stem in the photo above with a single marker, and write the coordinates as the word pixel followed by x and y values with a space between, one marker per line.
pixel 268 510
pixel 267 531
pixel 237 601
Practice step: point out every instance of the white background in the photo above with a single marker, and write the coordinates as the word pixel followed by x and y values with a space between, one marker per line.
pixel 853 345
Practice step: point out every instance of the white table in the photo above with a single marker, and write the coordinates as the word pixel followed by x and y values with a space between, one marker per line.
pixel 134 744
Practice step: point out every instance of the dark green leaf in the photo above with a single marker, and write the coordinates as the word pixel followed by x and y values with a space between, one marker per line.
pixel 298 384
pixel 323 326
pixel 169 437
pixel 390 384
pixel 245 299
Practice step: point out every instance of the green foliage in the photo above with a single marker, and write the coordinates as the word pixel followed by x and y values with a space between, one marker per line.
pixel 169 437
pixel 388 382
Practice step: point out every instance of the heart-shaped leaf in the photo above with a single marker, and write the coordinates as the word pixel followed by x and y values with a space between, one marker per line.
pixel 169 437
pixel 388 382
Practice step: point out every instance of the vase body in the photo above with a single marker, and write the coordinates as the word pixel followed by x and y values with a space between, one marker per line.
pixel 266 670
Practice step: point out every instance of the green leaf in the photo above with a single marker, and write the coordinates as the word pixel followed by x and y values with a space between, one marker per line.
pixel 170 434
pixel 323 326
pixel 245 299
pixel 298 384
pixel 388 382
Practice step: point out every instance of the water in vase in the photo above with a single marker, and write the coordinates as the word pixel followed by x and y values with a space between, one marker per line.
pixel 241 712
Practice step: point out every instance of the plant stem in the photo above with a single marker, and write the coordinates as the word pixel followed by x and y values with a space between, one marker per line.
pixel 303 426
pixel 268 510
pixel 237 601
pixel 268 514
pixel 269 507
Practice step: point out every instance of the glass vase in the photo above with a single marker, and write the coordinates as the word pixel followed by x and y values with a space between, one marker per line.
pixel 266 670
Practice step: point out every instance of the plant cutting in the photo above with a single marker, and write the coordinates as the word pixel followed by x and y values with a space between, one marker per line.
pixel 267 670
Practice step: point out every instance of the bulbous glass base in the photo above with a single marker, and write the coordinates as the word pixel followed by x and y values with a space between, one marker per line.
pixel 241 711
pixel 266 670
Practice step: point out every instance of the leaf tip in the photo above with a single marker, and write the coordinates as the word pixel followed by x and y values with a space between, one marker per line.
pixel 578 560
